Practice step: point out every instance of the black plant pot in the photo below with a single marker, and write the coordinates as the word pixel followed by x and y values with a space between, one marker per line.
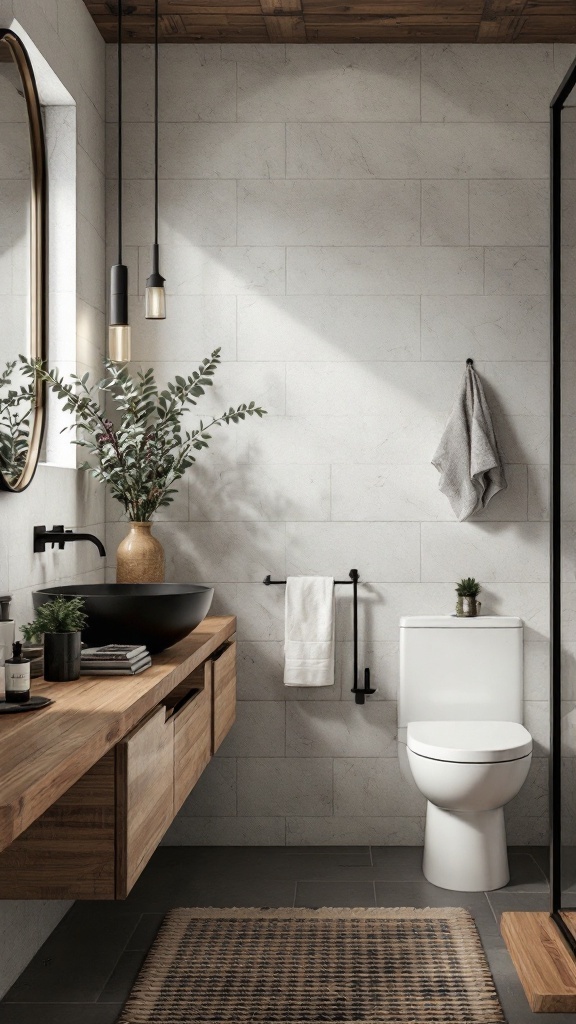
pixel 62 657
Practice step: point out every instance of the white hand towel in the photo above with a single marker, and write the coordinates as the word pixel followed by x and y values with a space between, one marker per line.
pixel 309 636
pixel 467 458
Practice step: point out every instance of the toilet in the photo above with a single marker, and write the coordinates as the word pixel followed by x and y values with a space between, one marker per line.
pixel 460 711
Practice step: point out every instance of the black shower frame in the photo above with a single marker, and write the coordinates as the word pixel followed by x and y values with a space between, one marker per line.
pixel 556 107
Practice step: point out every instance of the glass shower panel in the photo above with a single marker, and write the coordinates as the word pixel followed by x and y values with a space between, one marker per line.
pixel 568 512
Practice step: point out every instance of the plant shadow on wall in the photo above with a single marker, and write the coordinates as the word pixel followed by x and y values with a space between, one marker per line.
pixel 135 440
pixel 247 505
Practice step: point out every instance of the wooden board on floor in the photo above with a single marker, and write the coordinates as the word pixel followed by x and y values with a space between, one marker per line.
pixel 543 962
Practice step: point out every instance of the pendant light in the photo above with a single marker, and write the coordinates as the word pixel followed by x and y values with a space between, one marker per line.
pixel 155 294
pixel 119 329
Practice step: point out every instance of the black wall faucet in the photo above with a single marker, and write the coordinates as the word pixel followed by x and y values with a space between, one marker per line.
pixel 58 535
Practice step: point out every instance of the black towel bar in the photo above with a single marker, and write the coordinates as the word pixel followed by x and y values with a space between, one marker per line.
pixel 360 693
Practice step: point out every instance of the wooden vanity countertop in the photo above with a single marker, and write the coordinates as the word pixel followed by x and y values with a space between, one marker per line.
pixel 43 753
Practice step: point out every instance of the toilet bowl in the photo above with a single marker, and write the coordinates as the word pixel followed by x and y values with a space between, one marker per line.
pixel 460 702
pixel 468 772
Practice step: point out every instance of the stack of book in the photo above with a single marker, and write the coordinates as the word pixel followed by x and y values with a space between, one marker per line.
pixel 115 660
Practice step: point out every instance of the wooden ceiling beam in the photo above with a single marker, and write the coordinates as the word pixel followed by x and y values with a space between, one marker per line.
pixel 325 21
pixel 361 33
pixel 547 30
pixel 284 21
pixel 281 7
pixel 285 29
pixel 500 21
pixel 345 11
pixel 368 21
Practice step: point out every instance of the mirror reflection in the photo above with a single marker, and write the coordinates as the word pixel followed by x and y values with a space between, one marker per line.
pixel 17 283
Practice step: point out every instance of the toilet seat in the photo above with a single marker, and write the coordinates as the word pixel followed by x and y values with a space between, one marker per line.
pixel 469 742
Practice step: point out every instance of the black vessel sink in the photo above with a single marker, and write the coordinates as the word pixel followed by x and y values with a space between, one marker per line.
pixel 155 614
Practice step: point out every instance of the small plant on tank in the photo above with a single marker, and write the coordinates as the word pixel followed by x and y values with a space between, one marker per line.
pixel 467 591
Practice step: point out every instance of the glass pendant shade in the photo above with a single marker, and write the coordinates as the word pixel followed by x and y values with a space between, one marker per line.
pixel 155 303
pixel 119 343
pixel 155 294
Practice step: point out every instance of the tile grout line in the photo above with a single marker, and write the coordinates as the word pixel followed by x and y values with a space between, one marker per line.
pixel 123 951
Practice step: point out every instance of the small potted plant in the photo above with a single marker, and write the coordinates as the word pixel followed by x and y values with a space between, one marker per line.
pixel 467 591
pixel 60 623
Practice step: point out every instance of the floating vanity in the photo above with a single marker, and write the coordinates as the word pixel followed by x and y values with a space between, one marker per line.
pixel 90 785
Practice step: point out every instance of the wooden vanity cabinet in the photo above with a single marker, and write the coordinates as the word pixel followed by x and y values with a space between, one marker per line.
pixel 96 839
pixel 223 669
pixel 192 738
pixel 144 795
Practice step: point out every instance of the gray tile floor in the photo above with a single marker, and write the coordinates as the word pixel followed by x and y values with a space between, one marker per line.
pixel 85 970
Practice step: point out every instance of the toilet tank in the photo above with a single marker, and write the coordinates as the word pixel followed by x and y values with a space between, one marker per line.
pixel 460 669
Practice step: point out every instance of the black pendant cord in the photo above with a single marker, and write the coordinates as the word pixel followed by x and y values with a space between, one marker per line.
pixel 156 146
pixel 119 52
pixel 155 300
pixel 119 329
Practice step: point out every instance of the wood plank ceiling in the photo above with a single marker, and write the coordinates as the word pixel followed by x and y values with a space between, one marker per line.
pixel 329 21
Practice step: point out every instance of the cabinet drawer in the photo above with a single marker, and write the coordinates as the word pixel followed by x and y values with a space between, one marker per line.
pixel 224 693
pixel 144 794
pixel 192 739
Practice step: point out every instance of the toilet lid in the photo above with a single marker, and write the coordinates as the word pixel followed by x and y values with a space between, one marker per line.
pixel 472 742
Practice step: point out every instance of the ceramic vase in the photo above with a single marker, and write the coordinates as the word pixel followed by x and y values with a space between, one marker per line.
pixel 62 657
pixel 140 556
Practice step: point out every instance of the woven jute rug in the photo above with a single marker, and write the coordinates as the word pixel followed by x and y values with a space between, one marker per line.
pixel 292 966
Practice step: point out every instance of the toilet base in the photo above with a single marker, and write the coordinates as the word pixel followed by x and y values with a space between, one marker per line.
pixel 465 850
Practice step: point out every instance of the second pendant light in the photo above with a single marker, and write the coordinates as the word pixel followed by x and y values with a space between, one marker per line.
pixel 119 328
pixel 155 294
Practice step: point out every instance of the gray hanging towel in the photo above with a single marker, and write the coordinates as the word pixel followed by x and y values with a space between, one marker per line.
pixel 468 458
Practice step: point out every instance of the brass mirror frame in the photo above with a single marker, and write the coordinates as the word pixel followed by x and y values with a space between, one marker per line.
pixel 38 254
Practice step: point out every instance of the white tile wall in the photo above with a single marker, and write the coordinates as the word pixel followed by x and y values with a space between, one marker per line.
pixel 492 326
pixel 320 327
pixel 74 49
pixel 349 223
pixel 454 151
pixel 444 212
pixel 329 83
pixel 298 212
pixel 509 212
pixel 493 83
pixel 389 270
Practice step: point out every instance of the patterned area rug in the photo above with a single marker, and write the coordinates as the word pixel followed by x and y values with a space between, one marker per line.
pixel 297 966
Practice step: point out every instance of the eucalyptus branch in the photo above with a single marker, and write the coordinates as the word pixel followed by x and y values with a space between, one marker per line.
pixel 140 449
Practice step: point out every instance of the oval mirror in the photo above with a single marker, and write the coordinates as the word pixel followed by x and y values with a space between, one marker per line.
pixel 22 263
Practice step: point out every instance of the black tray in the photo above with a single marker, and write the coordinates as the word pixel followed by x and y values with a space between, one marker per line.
pixel 34 704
